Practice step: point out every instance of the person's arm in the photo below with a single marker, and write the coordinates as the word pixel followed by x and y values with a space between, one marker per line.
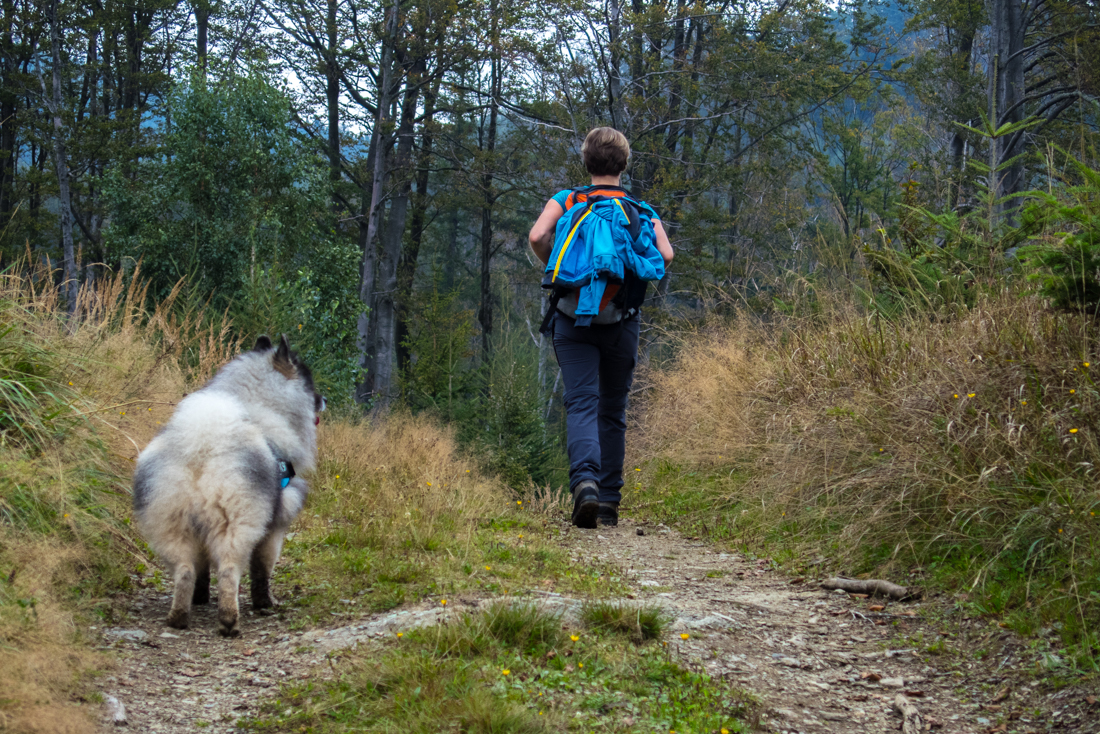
pixel 542 234
pixel 663 245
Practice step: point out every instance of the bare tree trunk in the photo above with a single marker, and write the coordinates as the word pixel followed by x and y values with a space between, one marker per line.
pixel 613 16
pixel 485 310
pixel 71 283
pixel 380 144
pixel 332 100
pixel 958 138
pixel 385 303
pixel 406 267
pixel 202 22
pixel 1008 40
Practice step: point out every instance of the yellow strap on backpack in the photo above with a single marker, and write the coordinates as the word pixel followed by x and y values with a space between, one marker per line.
pixel 568 241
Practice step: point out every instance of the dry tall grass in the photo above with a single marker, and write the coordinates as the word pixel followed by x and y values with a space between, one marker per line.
pixel 401 484
pixel 97 386
pixel 81 395
pixel 968 441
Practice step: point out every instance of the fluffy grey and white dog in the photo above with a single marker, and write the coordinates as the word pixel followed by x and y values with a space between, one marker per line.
pixel 218 487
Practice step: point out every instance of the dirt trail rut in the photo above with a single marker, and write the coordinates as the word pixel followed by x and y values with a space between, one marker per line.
pixel 818 661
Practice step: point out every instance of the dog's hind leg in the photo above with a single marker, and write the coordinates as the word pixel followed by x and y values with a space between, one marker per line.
pixel 229 583
pixel 183 576
pixel 202 582
pixel 262 567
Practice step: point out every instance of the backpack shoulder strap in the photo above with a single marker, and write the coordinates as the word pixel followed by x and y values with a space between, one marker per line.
pixel 578 194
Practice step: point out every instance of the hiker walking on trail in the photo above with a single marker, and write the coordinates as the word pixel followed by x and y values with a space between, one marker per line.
pixel 600 247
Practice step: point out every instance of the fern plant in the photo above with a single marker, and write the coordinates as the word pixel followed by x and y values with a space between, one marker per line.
pixel 1066 262
pixel 963 249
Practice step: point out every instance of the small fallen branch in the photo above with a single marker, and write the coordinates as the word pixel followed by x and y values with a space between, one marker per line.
pixel 873 587
pixel 911 722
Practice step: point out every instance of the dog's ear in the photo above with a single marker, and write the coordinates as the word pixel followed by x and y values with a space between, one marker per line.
pixel 283 362
pixel 263 343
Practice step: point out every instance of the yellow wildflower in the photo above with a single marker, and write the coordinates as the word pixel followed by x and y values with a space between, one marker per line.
pixel 684 636
pixel 574 638
pixel 1073 430
pixel 443 602
pixel 505 672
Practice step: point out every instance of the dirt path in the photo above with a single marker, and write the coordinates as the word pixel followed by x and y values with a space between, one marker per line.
pixel 819 661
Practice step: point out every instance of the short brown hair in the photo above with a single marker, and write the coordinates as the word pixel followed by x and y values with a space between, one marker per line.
pixel 605 152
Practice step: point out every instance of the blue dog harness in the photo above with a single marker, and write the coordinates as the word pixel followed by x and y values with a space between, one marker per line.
pixel 286 472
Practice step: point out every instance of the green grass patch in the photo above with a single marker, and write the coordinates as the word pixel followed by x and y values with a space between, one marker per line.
pixel 637 622
pixel 371 540
pixel 511 668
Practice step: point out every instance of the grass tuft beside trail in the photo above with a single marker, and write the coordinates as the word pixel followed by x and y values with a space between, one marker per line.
pixel 512 668
pixel 956 452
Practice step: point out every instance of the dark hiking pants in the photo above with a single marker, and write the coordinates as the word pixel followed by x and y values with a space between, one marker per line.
pixel 597 367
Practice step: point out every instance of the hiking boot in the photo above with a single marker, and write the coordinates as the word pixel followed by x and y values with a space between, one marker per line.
pixel 608 513
pixel 586 503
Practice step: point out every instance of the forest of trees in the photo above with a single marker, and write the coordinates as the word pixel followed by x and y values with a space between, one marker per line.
pixel 362 176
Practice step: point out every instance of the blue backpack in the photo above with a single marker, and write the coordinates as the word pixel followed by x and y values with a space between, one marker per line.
pixel 604 237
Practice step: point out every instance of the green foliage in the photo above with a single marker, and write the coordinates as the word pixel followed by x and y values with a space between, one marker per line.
pixel 236 205
pixel 305 305
pixel 231 191
pixel 1066 258
pixel 506 423
pixel 441 332
pixel 958 252
pixel 930 280
pixel 499 409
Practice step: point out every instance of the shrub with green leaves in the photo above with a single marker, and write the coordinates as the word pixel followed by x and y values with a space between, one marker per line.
pixel 1066 258
pixel 235 204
